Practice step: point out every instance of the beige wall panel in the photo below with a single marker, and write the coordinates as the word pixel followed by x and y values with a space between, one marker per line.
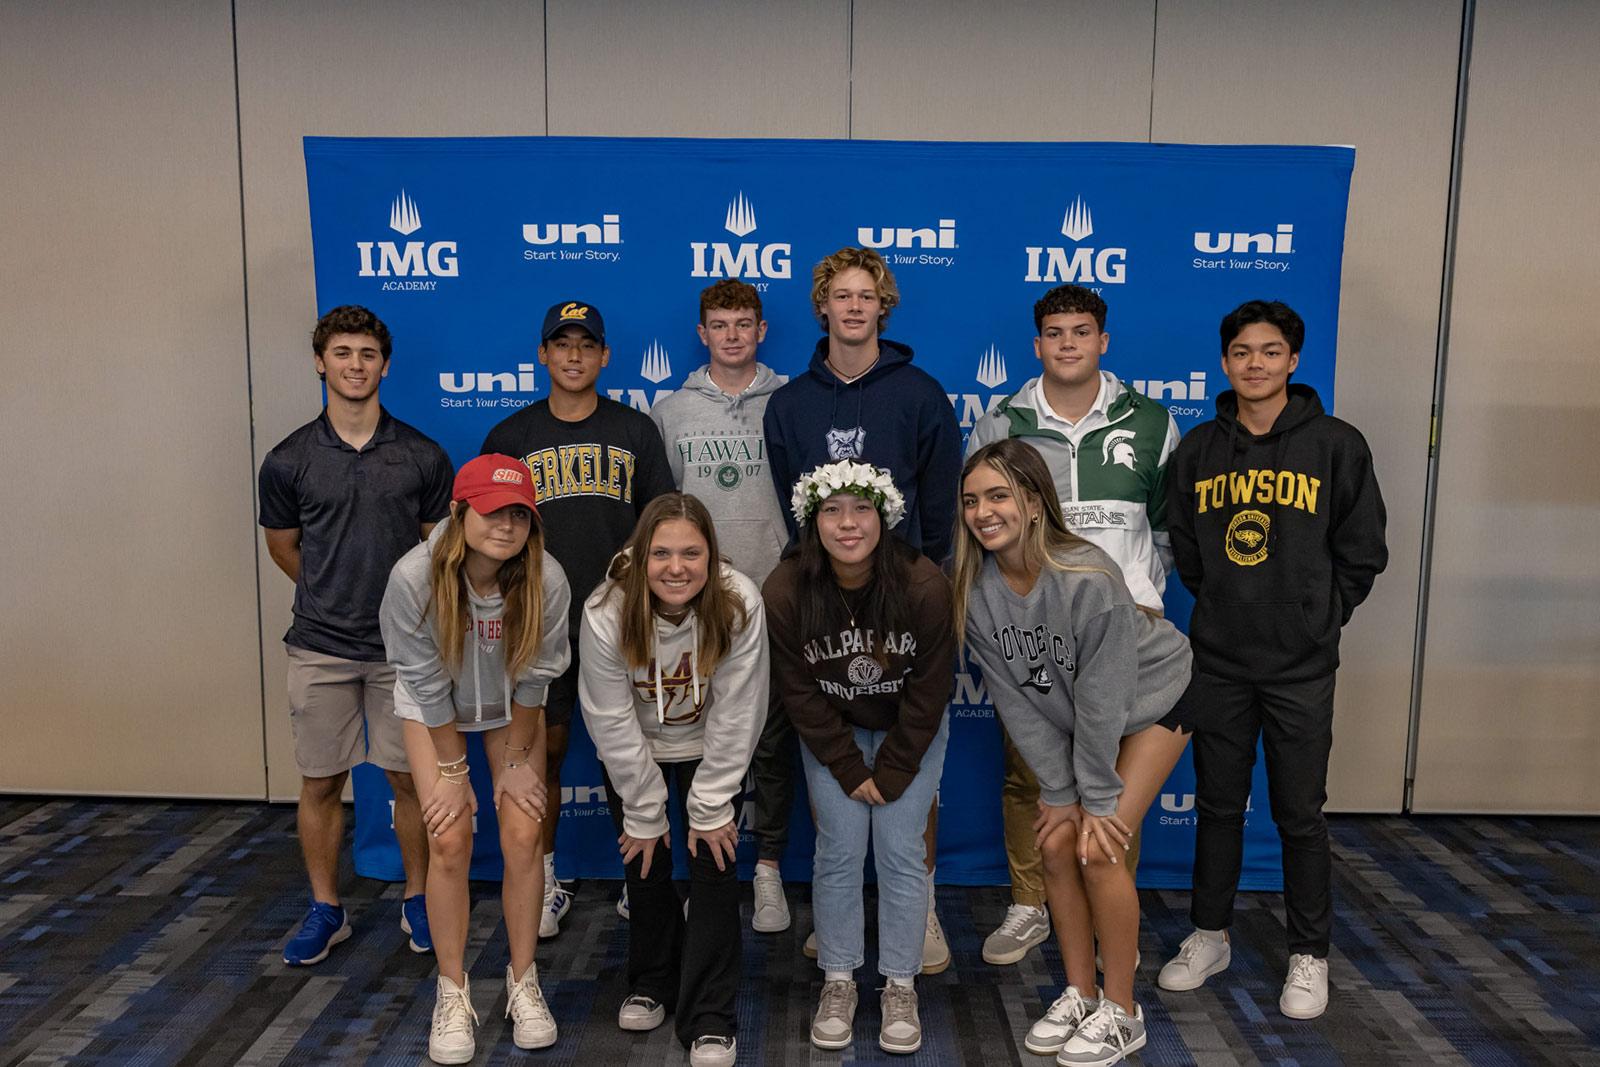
pixel 1016 70
pixel 1381 77
pixel 1511 691
pixel 127 626
pixel 355 69
pixel 714 68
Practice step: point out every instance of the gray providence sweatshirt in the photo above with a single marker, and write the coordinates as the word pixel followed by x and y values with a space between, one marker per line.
pixel 718 453
pixel 1073 667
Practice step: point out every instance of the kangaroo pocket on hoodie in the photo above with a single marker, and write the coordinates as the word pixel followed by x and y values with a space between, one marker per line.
pixel 1246 640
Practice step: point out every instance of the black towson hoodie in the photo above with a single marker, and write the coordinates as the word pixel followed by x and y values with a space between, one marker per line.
pixel 1278 537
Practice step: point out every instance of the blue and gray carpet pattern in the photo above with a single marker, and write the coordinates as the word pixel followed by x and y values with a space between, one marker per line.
pixel 152 933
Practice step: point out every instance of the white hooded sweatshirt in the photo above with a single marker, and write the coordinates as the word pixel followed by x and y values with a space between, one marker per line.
pixel 638 718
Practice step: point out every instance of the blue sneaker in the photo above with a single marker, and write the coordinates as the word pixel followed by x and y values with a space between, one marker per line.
pixel 414 921
pixel 324 926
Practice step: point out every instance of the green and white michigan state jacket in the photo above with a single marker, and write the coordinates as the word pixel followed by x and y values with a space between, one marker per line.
pixel 1110 471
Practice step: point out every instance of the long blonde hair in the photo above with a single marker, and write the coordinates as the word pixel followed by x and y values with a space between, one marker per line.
pixel 521 581
pixel 1045 543
pixel 719 611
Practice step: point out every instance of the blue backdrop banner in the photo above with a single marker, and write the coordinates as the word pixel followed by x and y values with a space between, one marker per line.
pixel 460 244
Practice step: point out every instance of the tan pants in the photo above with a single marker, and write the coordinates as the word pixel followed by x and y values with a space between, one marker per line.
pixel 1019 806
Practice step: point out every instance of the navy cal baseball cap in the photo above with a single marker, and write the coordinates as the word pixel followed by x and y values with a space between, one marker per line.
pixel 573 313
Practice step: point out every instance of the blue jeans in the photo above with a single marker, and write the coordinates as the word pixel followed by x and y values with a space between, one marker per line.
pixel 843 827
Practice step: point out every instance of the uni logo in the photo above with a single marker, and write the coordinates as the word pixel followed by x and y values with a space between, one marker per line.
pixel 489 382
pixel 749 259
pixel 1178 803
pixel 1178 389
pixel 907 237
pixel 506 474
pixel 1084 264
pixel 414 259
pixel 1280 242
pixel 655 367
pixel 608 231
pixel 991 369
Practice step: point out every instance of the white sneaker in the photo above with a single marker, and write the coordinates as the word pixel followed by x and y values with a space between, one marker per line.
pixel 1061 1020
pixel 640 1012
pixel 1198 958
pixel 1107 1036
pixel 809 949
pixel 622 904
pixel 452 1040
pixel 711 1050
pixel 935 949
pixel 772 907
pixel 1305 991
pixel 557 902
pixel 532 1024
pixel 834 1024
pixel 1024 927
pixel 900 1031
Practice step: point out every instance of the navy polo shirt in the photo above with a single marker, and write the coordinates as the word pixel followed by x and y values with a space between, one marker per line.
pixel 358 513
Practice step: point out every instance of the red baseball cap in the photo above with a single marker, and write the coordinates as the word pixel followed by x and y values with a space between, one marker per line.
pixel 492 482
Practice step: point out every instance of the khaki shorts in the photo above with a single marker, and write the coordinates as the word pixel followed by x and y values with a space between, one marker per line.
pixel 329 699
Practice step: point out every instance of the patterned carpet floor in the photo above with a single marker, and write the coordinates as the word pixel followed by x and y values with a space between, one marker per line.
pixel 151 933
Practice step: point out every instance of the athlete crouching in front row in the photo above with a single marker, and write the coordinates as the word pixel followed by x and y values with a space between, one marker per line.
pixel 475 623
pixel 1091 690
pixel 673 686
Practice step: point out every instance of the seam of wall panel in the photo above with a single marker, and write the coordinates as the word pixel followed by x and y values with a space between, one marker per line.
pixel 1155 32
pixel 850 71
pixel 545 31
pixel 1469 10
pixel 250 392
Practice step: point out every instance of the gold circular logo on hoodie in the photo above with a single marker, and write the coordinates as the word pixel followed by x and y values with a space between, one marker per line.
pixel 1247 538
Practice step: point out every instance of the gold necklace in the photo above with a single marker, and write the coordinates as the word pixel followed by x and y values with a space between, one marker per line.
pixel 847 609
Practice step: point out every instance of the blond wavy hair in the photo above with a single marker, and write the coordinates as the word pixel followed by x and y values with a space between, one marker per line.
pixel 850 258
pixel 521 581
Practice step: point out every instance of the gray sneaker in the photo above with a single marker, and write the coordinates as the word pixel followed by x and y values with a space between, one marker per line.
pixel 935 949
pixel 1107 1036
pixel 1061 1020
pixel 834 1024
pixel 711 1050
pixel 1024 927
pixel 901 1029
pixel 772 908
pixel 640 1012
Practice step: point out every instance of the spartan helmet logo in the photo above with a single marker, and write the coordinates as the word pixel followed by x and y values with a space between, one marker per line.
pixel 1118 448
pixel 847 444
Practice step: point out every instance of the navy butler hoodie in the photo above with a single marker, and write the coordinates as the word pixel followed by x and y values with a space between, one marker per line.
pixel 895 416
pixel 1278 537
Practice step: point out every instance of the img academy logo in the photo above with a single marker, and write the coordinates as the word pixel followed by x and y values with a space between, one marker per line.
pixel 991 375
pixel 412 259
pixel 752 261
pixel 1085 265
pixel 655 367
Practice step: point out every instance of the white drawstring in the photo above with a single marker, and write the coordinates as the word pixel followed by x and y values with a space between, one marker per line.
pixel 477 679
pixel 694 664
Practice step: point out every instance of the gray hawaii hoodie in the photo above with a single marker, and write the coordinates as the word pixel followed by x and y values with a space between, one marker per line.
pixel 717 451
pixel 481 698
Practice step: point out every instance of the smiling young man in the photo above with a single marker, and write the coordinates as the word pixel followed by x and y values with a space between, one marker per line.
pixel 1278 530
pixel 714 439
pixel 595 465
pixel 342 499
pixel 862 399
pixel 1107 448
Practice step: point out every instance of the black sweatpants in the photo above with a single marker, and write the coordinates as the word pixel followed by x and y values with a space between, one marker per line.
pixel 1295 723
pixel 691 966
pixel 774 768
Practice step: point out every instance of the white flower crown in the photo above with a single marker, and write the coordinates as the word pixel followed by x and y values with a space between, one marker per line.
pixel 847 476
